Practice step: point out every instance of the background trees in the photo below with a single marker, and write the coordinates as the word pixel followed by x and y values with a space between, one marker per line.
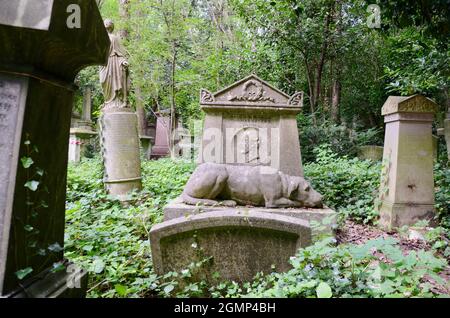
pixel 323 47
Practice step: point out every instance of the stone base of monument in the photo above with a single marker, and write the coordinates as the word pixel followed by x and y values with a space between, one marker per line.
pixel 395 215
pixel 323 221
pixel 227 244
pixel 48 284
pixel 120 149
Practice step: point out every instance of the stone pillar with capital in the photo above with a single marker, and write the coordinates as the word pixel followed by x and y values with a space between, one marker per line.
pixel 407 184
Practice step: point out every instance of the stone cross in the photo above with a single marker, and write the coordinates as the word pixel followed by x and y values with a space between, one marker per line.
pixel 41 55
pixel 407 185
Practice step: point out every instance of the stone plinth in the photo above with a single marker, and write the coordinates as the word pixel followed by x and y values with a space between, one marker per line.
pixel 325 218
pixel 407 185
pixel 40 58
pixel 252 123
pixel 238 245
pixel 374 153
pixel 120 150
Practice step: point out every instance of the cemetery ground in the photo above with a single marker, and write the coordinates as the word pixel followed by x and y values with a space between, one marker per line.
pixel 112 241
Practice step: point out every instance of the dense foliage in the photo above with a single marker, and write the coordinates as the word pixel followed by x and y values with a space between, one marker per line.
pixel 326 48
pixel 325 270
pixel 111 241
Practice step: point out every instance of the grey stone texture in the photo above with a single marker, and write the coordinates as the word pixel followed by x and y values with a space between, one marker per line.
pixel 252 123
pixel 39 60
pixel 324 219
pixel 407 185
pixel 374 153
pixel 120 150
pixel 239 244
pixel 248 185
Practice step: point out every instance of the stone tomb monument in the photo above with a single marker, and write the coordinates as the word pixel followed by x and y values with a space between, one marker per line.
pixel 118 124
pixel 162 135
pixel 246 207
pixel 82 130
pixel 40 56
pixel 407 184
pixel 253 123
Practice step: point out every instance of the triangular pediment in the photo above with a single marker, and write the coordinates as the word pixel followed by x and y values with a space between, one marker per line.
pixel 248 91
pixel 408 104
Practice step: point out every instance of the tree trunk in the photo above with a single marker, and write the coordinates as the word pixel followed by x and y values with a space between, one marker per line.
pixel 335 100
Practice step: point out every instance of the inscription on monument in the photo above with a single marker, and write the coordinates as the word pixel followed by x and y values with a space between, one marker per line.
pixel 10 126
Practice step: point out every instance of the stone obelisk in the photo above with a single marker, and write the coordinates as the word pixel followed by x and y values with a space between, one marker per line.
pixel 118 124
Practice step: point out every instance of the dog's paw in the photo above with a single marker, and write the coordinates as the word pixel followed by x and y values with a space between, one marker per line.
pixel 229 203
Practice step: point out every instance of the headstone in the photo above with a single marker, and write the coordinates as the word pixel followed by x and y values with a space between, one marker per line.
pixel 252 123
pixel 40 58
pixel 374 153
pixel 407 185
pixel 118 124
pixel 251 131
pixel 81 130
pixel 238 245
pixel 161 148
pixel 146 145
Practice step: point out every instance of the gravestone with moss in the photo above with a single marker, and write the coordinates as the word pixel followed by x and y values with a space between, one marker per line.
pixel 42 51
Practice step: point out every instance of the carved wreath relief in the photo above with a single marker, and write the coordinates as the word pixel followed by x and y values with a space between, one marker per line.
pixel 252 91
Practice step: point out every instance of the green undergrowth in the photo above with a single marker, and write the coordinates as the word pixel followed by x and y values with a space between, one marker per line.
pixel 112 241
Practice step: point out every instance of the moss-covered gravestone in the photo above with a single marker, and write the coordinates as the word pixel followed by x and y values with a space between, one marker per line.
pixel 43 46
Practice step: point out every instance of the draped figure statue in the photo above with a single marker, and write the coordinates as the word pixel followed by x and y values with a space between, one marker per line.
pixel 114 77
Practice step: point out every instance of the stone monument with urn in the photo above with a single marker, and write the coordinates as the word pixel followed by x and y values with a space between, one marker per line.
pixel 119 134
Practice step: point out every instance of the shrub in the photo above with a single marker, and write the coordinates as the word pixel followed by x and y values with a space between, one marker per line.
pixel 348 185
pixel 377 268
pixel 111 241
pixel 442 186
pixel 342 140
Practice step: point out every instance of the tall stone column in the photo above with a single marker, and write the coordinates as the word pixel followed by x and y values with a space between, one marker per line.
pixel 118 124
pixel 407 185
pixel 41 53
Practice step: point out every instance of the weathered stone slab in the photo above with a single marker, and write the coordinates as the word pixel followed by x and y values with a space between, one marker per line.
pixel 240 244
pixel 162 135
pixel 326 218
pixel 374 153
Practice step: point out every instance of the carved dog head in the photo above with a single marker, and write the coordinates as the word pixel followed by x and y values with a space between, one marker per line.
pixel 300 190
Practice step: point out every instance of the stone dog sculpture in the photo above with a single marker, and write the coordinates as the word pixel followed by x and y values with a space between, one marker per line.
pixel 247 185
